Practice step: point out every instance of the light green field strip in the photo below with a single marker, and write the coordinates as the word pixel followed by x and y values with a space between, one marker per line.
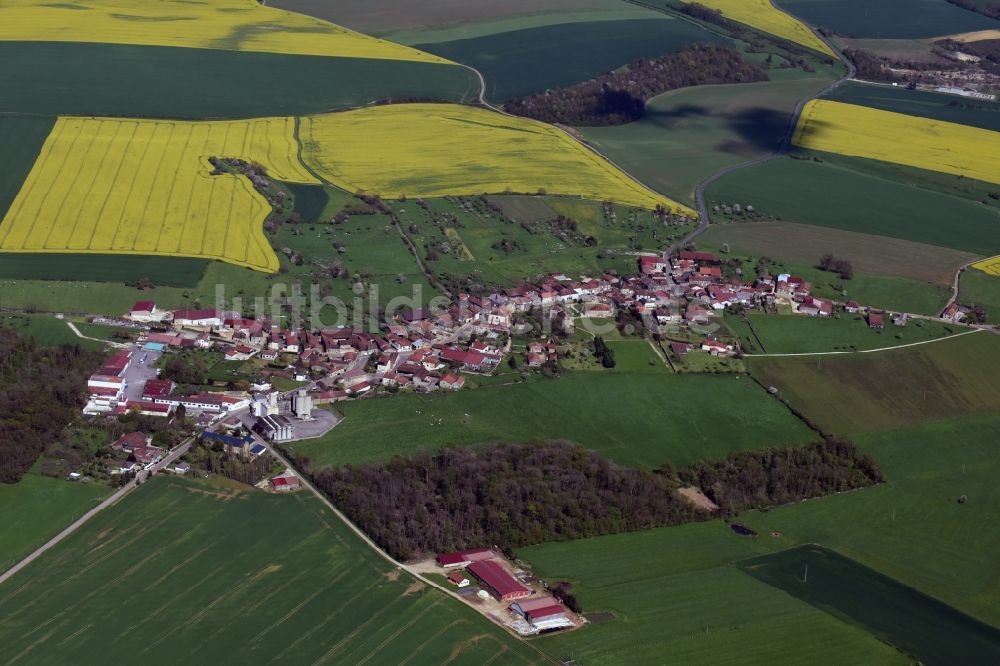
pixel 524 22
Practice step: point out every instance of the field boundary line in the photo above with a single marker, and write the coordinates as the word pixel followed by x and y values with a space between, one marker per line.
pixel 868 351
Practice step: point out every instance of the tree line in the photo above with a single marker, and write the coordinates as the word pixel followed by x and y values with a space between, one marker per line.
pixel 760 479
pixel 510 496
pixel 41 390
pixel 620 97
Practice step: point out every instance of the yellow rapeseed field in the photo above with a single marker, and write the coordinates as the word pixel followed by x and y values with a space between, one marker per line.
pixel 764 16
pixel 236 25
pixel 990 266
pixel 104 185
pixel 861 131
pixel 428 150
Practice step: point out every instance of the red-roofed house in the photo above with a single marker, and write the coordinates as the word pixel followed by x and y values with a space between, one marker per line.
pixel 452 382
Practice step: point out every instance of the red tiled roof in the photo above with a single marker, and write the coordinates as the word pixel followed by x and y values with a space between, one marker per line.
pixel 143 306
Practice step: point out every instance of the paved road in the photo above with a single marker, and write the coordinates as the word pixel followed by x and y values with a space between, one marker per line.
pixel 78 334
pixel 173 455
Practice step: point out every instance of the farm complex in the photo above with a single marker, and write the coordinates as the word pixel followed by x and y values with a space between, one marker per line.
pixel 584 332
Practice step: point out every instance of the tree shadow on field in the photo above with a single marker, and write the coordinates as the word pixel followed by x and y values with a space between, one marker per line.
pixel 759 129
pixel 668 119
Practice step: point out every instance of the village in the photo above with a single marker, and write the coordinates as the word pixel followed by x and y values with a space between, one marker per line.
pixel 675 299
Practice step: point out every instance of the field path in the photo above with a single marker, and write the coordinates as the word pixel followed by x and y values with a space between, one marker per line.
pixel 176 453
pixel 78 334
pixel 868 351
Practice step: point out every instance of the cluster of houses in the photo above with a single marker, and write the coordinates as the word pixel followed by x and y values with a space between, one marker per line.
pixel 529 611
pixel 426 350
pixel 139 451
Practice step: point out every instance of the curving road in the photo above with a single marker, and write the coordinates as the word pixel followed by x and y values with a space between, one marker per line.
pixel 786 142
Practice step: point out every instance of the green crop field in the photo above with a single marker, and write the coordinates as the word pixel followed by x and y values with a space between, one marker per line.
pixel 861 392
pixel 21 139
pixel 163 271
pixel 521 62
pixel 676 598
pixel 922 103
pixel 185 570
pixel 914 622
pixel 796 334
pixel 913 527
pixel 391 17
pixel 688 134
pixel 614 413
pixel 36 508
pixel 835 193
pixel 889 19
pixel 168 82
pixel 804 244
pixel 979 288
pixel 664 585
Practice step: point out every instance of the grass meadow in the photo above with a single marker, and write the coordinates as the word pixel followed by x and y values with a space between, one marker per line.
pixel 46 331
pixel 170 82
pixel 36 508
pixel 915 623
pixel 979 288
pixel 676 597
pixel 913 527
pixel 869 255
pixel 799 334
pixel 664 586
pixel 884 200
pixel 185 570
pixel 689 133
pixel 634 418
pixel 855 393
